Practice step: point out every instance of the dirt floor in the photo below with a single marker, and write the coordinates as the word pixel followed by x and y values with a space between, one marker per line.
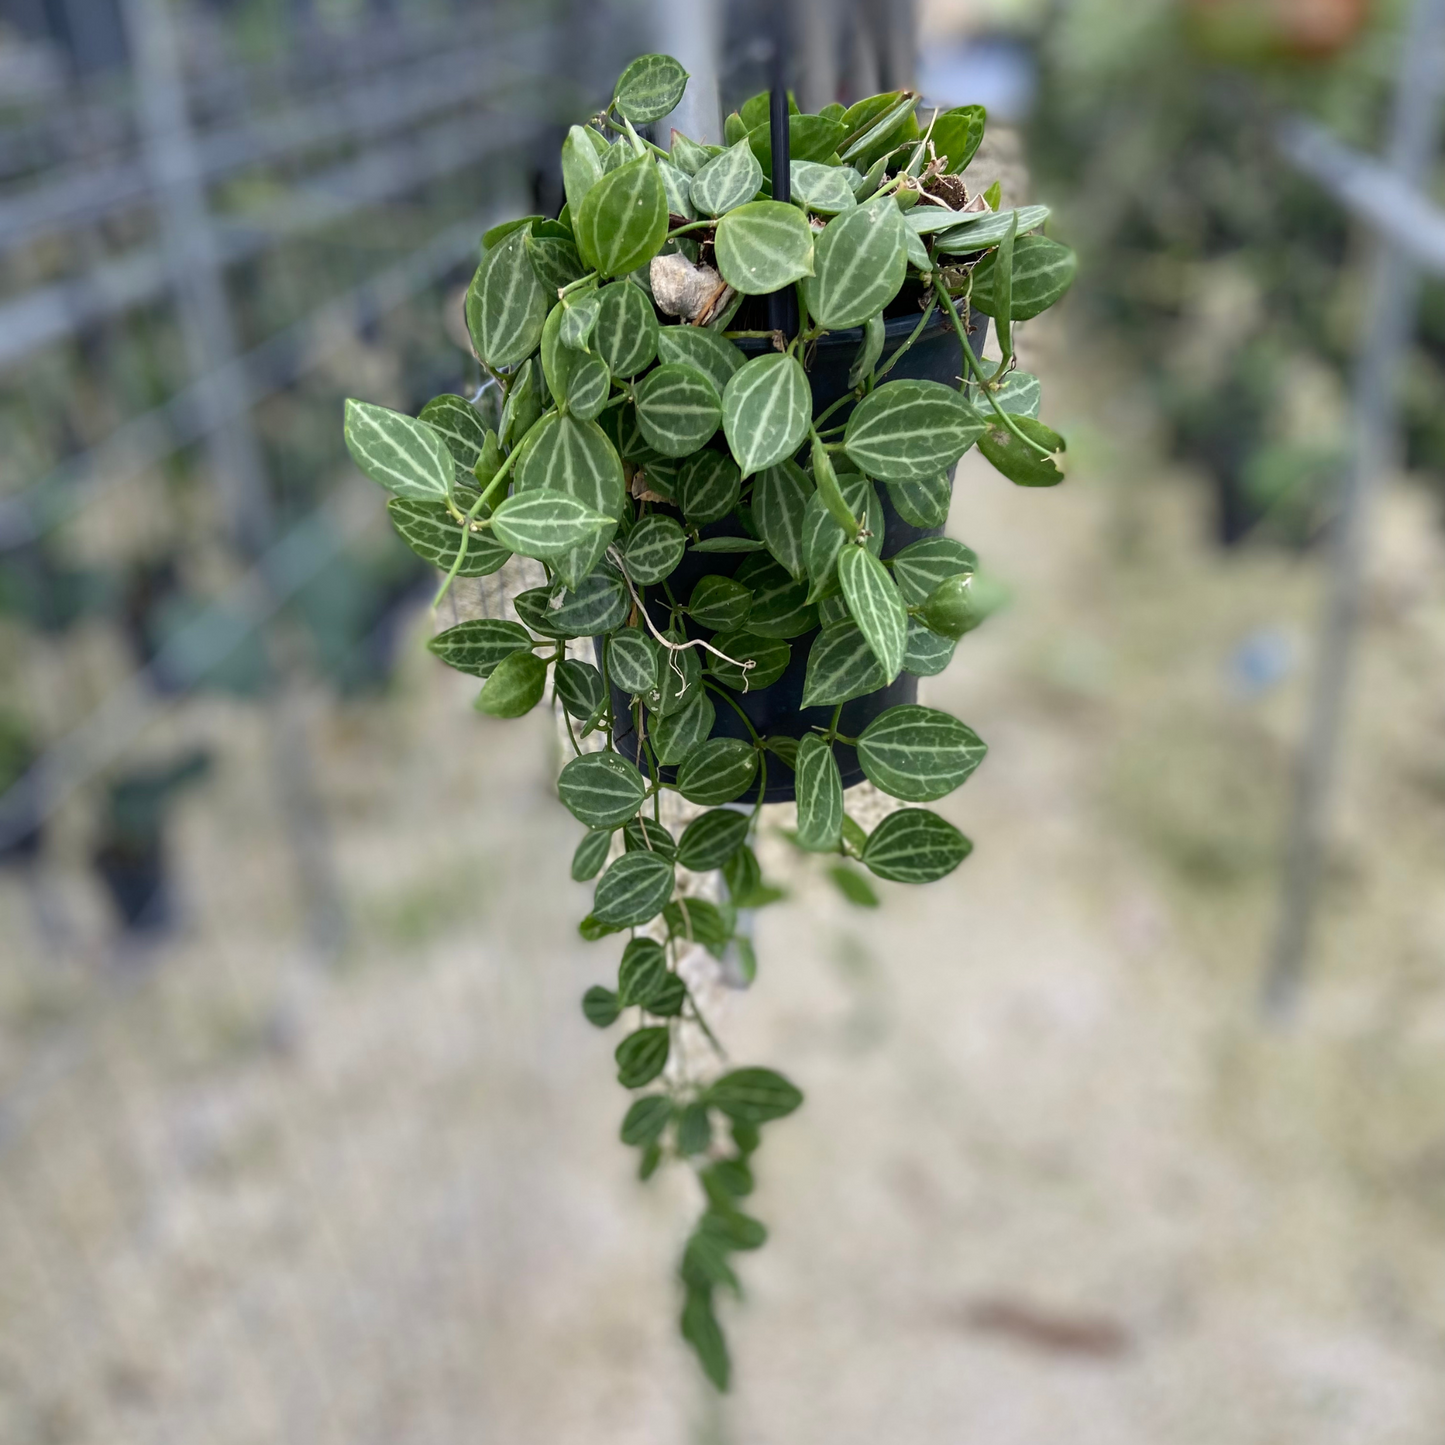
pixel 1054 1178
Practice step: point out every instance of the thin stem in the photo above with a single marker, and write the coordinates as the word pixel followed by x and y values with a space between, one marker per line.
pixel 880 372
pixel 972 363
pixel 576 285
pixel 762 783
pixel 833 724
pixel 733 703
pixel 702 1023
pixel 692 226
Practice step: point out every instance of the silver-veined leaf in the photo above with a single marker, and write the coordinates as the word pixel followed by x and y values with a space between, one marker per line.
pixel 622 222
pixel 957 135
pixel 398 452
pixel 581 167
pixel 918 753
pixel 876 606
pixel 919 567
pixel 514 687
pixel 460 426
pixel 909 430
pixel 719 603
pixel 979 230
pixel 810 138
pixel 579 687
pixel 824 539
pixel 601 603
pixel 675 735
pixel 727 181
pixel 477 645
pixel 766 409
pixel 679 190
pixel 870 350
pixel 678 408
pixel 506 304
pixel 753 1096
pixel 841 666
pixel 928 652
pixel 633 889
pixel 601 790
pixel 769 657
pixel 860 265
pixel 1042 271
pixel 546 524
pixel 923 503
pixel 764 246
pixel 679 681
pixel 820 796
pixel 574 457
pixel 717 771
pixel 709 487
pixel 434 535
pixel 625 335
pixel 712 838
pixel 654 548
pixel 915 846
pixel 780 499
pixel 588 385
pixel 587 861
pixel 555 260
pixel 579 316
pixel 780 607
pixel 649 88
pixel 688 155
pixel 826 190
pixel 642 1056
pixel 632 660
pixel 713 355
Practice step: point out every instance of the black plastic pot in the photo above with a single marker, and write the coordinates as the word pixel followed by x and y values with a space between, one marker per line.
pixel 777 709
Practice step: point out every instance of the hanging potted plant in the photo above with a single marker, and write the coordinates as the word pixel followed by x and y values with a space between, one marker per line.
pixel 740 523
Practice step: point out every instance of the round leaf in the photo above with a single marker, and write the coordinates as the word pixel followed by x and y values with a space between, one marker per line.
pixel 625 333
pixel 506 304
pixel 479 644
pixel 622 222
pixel 712 838
pixel 406 456
pixel 754 1096
pixel 769 657
pixel 923 503
pixel 953 607
pixel 600 1007
pixel 764 246
pixel 780 605
pixel 642 1056
pixel 709 486
pixel 642 972
pixel 860 266
pixel 433 534
pixel 591 854
pixel 717 771
pixel 719 603
pixel 646 1120
pixel 515 686
pixel 676 734
pixel 918 753
pixel 921 566
pixel 825 190
pixel 713 355
pixel 766 409
pixel 928 652
pixel 633 889
pixel 841 666
pixel 588 384
pixel 649 88
pixel 601 790
pixel 780 499
pixel 575 458
pixel 579 686
pixel 727 181
pixel 1042 271
pixel 547 524
pixel 654 548
pixel 598 605
pixel 910 430
pixel 632 660
pixel 677 408
pixel 915 846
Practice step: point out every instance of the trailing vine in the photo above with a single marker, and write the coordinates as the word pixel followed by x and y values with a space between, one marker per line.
pixel 705 536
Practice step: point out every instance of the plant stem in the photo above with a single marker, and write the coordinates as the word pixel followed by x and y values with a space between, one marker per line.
pixel 576 285
pixel 726 695
pixel 880 372
pixel 692 226
pixel 972 364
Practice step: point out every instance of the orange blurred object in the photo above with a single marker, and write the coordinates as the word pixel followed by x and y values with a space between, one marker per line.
pixel 1257 30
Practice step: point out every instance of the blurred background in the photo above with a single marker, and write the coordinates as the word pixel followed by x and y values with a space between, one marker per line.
pixel 1132 1130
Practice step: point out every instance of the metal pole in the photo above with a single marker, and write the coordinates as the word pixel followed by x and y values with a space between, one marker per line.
pixel 1391 294
pixel 691 33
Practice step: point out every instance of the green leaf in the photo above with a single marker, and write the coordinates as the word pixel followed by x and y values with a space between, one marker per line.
pixel 769 655
pixel 581 167
pixel 632 660
pixel 954 607
pixel 555 262
pixel 616 154
pixel 431 532
pixel 820 796
pixel 687 155
pixel 731 1227
pixel 678 409
pixel 497 234
pixel 601 790
pixel 829 493
pixel 841 666
pixel 727 181
pixel 460 426
pixel 701 1330
pixel 993 196
pixel 757 108
pixel 547 524
pixel 1042 271
pixel 649 88
pixel 853 886
pixel 642 972
pixel 910 430
pixel 730 1176
pixel 515 686
pixel 875 333
pixel 506 304
pixel 694 1130
pixel 915 846
pixel 579 686
pixel 398 452
pixel 928 652
pixel 709 487
pixel 754 1096
pixel 598 605
pixel 579 317
pixel 654 548
pixel 625 335
pixel 860 265
pixel 556 359
pixel 633 889
pixel 923 503
pixel 534 607
pixel 825 190
pixel 588 386
pixel 810 138
pixel 622 222
pixel 766 409
pixel 645 1120
pixel 824 539
pixel 717 771
pixel 727 544
pixel 719 603
pixel 667 1002
pixel 893 127
pixel 743 876
pixel 780 500
pixel 647 1165
pixel 832 608
pixel 573 458
pixel 784 747
pixel 712 838
pixel 978 230
pixel 678 186
pixel 592 930
pixel 647 835
pixel 591 854
pixel 479 644
pixel 957 135
pixel 876 606
pixel 919 567
pixel 1019 462
pixel 641 1056
pixel 676 734
pixel 1003 288
pixel 780 605
pixel 700 922
pixel 713 355
pixel 918 753
pixel 679 679
pixel 600 1007
pixel 522 407
pixel 1018 394
pixel 764 246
